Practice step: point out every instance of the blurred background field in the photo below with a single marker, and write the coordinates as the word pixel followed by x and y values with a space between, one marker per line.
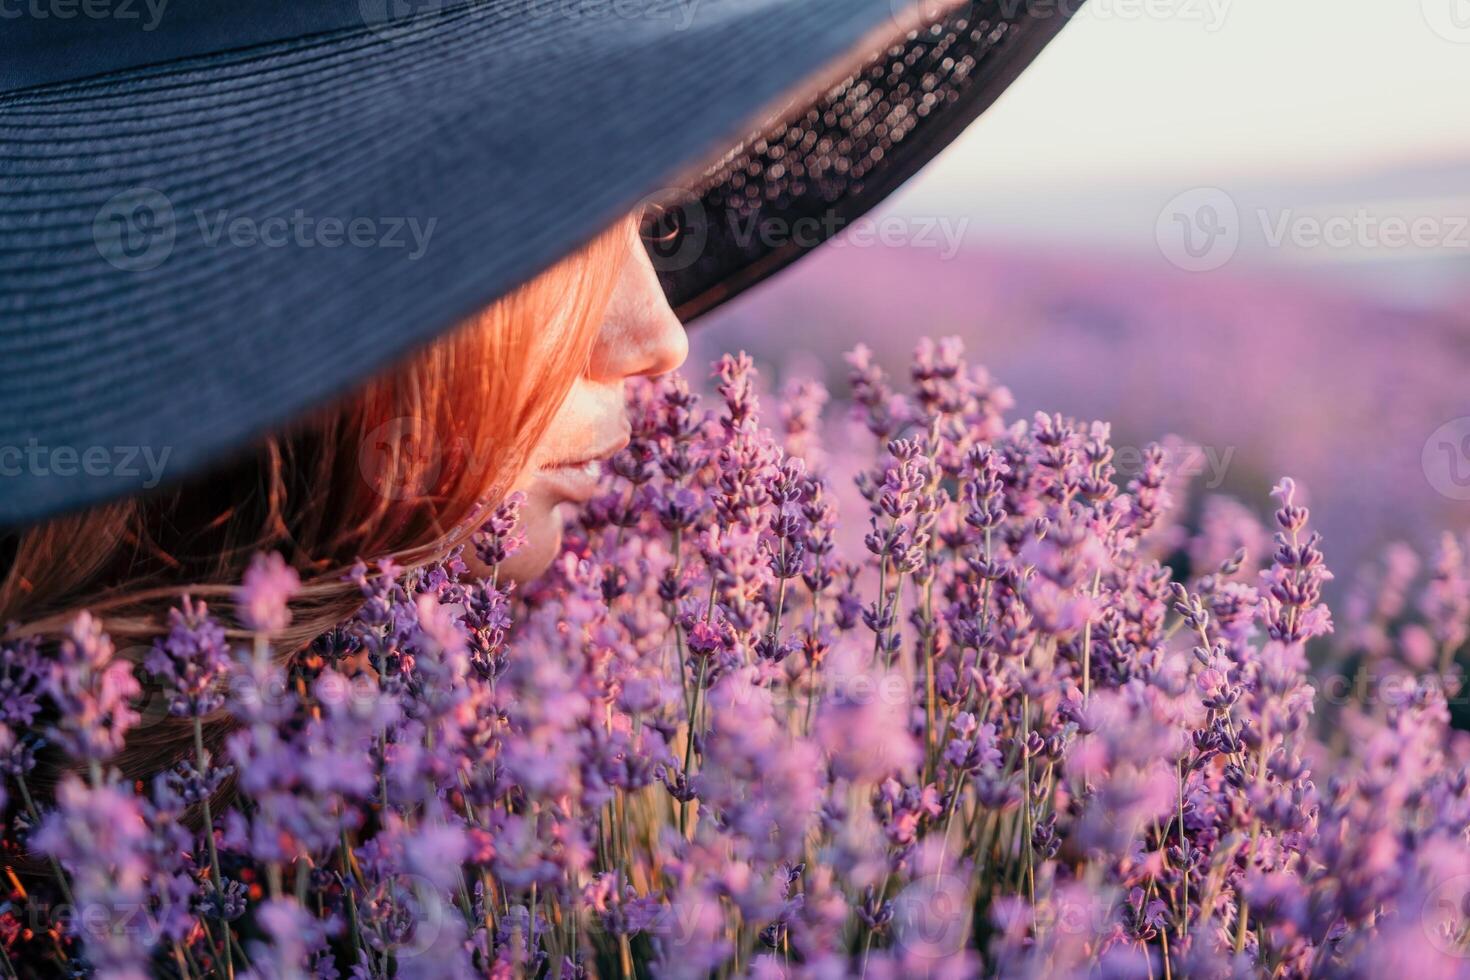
pixel 1250 229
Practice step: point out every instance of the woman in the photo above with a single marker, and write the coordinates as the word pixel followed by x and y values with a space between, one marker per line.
pixel 202 265
pixel 161 282
pixel 397 470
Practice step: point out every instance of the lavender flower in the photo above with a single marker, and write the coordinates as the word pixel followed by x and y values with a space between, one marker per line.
pixel 498 538
pixel 263 596
pixel 98 835
pixel 1446 602
pixel 92 692
pixel 191 661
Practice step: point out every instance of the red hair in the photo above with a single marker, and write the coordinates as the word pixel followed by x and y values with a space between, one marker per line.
pixel 396 470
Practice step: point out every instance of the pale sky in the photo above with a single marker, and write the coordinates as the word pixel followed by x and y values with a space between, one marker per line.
pixel 1195 90
pixel 1281 112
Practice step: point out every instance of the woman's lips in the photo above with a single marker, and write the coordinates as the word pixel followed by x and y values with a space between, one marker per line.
pixel 574 481
pixel 578 480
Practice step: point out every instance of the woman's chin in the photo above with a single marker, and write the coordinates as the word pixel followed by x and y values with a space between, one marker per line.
pixel 541 525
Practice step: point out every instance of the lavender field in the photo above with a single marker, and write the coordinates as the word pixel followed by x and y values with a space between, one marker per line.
pixel 1032 724
pixel 1260 371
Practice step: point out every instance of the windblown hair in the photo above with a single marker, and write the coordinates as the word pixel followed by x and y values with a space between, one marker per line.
pixel 398 469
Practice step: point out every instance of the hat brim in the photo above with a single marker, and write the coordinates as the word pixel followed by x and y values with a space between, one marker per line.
pixel 844 147
pixel 195 253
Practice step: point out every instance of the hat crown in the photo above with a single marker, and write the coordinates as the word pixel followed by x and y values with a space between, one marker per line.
pixel 48 41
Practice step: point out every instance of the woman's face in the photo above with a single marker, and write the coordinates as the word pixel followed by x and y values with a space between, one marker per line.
pixel 639 336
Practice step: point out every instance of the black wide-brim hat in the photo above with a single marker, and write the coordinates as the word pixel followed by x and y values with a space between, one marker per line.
pixel 218 214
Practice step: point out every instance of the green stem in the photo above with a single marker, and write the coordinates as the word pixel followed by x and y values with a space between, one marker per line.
pixel 353 926
pixel 35 815
pixel 689 742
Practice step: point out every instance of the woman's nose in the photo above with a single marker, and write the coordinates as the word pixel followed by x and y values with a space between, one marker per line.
pixel 640 334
